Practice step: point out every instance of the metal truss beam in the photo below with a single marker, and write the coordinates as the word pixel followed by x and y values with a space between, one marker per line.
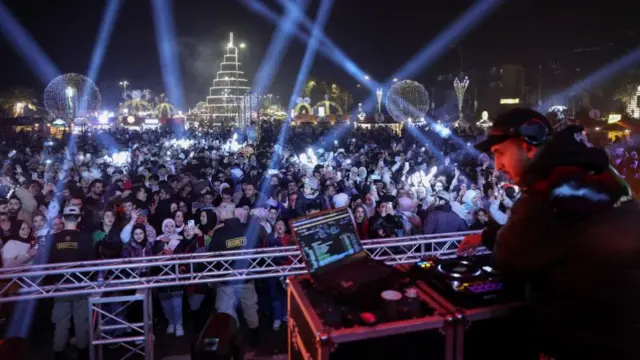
pixel 53 280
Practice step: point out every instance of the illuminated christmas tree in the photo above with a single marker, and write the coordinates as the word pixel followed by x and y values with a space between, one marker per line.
pixel 229 88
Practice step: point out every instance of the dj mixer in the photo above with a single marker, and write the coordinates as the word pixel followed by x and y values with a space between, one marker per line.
pixel 466 282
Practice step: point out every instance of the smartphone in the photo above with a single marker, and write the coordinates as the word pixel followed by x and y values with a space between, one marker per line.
pixel 272 172
pixel 144 212
pixel 191 224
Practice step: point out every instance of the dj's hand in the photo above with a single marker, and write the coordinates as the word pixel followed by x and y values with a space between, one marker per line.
pixel 469 244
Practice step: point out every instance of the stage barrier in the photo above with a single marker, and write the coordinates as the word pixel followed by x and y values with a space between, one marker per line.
pixel 120 275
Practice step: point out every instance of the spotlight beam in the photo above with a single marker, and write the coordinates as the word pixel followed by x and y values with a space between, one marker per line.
pixel 102 41
pixel 168 50
pixel 106 29
pixel 335 53
pixel 328 50
pixel 280 41
pixel 597 77
pixel 27 47
pixel 307 63
pixel 433 50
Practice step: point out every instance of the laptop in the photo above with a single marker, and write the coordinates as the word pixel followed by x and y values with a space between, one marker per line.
pixel 334 255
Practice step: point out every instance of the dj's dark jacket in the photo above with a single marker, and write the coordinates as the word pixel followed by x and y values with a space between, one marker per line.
pixel 574 238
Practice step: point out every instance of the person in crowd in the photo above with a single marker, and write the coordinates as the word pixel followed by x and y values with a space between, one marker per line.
pixel 71 245
pixel 231 235
pixel 385 223
pixel 276 292
pixel 443 219
pixel 361 222
pixel 480 220
pixel 171 297
pixel 558 238
pixel 22 250
pixel 16 212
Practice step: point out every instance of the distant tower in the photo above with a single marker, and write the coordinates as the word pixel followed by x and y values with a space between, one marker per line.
pixel 229 88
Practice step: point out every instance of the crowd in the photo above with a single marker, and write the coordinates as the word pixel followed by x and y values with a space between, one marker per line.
pixel 121 194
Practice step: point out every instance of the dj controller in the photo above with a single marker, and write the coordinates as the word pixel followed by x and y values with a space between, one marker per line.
pixel 467 282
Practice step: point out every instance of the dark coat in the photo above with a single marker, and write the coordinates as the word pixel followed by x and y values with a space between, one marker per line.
pixel 574 238
pixel 443 220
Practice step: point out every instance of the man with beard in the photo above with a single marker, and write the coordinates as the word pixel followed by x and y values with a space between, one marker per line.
pixel 572 236
pixel 16 212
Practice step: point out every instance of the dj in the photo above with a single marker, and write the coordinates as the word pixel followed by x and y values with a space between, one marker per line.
pixel 572 236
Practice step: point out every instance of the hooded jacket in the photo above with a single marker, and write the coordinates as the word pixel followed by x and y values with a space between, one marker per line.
pixel 573 238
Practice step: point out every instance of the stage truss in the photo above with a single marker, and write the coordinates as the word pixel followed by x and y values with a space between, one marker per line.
pixel 34 282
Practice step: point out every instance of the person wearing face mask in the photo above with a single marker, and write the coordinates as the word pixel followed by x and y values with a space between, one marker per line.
pixel 22 249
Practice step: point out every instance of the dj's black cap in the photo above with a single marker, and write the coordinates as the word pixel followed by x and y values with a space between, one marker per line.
pixel 508 125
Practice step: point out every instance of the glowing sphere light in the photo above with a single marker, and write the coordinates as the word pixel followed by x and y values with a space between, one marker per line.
pixel 407 99
pixel 72 96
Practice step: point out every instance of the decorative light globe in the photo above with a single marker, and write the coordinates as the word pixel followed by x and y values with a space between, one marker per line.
pixel 407 99
pixel 72 95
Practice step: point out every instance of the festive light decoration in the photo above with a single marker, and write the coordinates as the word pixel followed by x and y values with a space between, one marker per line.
pixel 137 101
pixel 460 84
pixel 361 114
pixel 560 111
pixel 201 107
pixel 303 107
pixel 509 101
pixel 633 107
pixel 229 87
pixel 165 110
pixel 484 120
pixel 326 106
pixel 407 99
pixel 65 94
pixel 614 118
pixel 379 96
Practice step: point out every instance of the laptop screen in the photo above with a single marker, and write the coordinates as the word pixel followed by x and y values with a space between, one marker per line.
pixel 326 238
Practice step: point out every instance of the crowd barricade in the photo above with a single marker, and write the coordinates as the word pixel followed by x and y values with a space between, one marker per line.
pixel 120 275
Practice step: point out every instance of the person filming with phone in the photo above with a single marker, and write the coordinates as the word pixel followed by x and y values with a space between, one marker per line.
pixel 571 236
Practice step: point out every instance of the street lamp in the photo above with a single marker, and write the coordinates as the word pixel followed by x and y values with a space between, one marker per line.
pixel 124 84
pixel 243 45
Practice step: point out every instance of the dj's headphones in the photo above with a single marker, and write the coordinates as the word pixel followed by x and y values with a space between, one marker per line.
pixel 534 131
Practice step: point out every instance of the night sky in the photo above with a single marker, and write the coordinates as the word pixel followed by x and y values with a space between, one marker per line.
pixel 379 35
